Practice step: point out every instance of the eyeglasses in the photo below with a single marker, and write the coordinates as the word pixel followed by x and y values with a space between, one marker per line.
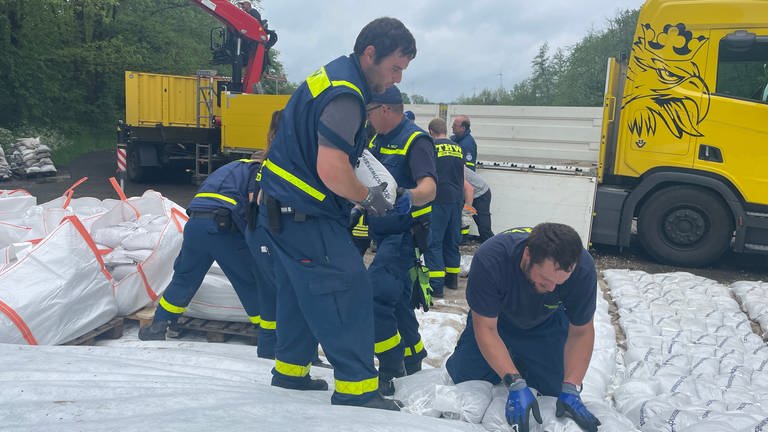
pixel 374 108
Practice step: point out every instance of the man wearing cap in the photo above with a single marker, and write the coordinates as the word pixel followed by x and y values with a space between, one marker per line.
pixel 309 187
pixel 408 153
pixel 463 136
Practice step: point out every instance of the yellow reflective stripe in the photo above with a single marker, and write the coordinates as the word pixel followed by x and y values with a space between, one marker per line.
pixel 291 369
pixel 465 230
pixel 436 274
pixel 216 196
pixel 449 153
pixel 292 179
pixel 171 308
pixel 357 388
pixel 403 151
pixel 268 325
pixel 471 164
pixel 337 83
pixel 387 344
pixel 419 347
pixel 373 138
pixel 453 270
pixel 246 160
pixel 319 81
pixel 255 319
pixel 421 212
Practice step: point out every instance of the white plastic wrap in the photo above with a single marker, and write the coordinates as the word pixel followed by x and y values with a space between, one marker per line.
pixel 371 172
pixel 417 391
pixel 56 292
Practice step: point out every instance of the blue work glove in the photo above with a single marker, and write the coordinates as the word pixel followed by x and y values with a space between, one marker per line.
pixel 520 403
pixel 404 202
pixel 569 403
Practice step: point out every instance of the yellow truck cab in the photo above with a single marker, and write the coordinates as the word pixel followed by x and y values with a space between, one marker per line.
pixel 684 152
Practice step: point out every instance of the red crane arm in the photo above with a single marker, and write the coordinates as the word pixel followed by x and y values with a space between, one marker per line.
pixel 247 27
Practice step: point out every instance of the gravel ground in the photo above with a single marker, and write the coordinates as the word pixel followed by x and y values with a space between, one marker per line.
pixel 99 166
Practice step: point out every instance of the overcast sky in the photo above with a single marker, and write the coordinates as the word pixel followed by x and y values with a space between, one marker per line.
pixel 463 47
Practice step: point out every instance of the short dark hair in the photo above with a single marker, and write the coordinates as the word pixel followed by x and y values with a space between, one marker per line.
pixel 438 126
pixel 387 35
pixel 555 241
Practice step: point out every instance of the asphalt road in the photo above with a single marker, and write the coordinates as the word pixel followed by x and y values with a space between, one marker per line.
pixel 100 166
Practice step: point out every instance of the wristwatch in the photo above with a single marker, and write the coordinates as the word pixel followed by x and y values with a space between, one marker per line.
pixel 511 378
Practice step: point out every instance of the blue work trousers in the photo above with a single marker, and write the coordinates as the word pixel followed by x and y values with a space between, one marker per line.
pixel 202 244
pixel 537 353
pixel 444 239
pixel 323 294
pixel 262 250
pixel 395 321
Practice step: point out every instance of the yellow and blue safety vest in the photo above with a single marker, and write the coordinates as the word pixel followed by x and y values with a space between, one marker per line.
pixel 228 187
pixel 290 172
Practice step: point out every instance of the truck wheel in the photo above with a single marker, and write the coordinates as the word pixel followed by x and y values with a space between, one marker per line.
pixel 685 225
pixel 136 172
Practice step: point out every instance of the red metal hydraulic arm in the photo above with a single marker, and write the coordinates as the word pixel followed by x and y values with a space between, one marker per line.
pixel 247 27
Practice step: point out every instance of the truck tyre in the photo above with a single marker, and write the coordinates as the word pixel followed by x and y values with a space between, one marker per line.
pixel 685 225
pixel 136 172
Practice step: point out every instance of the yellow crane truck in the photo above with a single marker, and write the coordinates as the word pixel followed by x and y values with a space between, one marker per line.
pixel 197 122
pixel 684 152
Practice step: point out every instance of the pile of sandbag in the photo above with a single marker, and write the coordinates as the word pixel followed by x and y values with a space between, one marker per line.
pixel 5 169
pixel 29 157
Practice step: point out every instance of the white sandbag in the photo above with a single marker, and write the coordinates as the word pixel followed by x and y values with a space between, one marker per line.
pixel 466 263
pixel 466 401
pixel 371 172
pixel 417 391
pixel 141 239
pixel 111 236
pixel 139 255
pixel 119 272
pixel 60 290
pixel 216 300
pixel 11 233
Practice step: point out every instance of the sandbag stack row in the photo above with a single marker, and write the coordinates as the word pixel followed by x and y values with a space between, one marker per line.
pixel 28 157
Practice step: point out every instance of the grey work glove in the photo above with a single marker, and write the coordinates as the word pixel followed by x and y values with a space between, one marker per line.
pixel 375 202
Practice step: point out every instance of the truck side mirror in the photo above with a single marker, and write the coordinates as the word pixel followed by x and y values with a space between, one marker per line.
pixel 739 41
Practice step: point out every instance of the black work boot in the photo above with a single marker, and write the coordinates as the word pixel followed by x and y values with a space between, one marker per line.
pixel 154 331
pixel 299 383
pixel 386 385
pixel 452 281
pixel 412 368
pixel 377 402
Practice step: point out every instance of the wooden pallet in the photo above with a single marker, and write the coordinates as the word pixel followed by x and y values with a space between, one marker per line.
pixel 218 331
pixel 111 330
pixel 143 316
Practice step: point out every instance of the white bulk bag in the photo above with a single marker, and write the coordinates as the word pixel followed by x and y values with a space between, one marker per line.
pixel 145 285
pixel 217 300
pixel 57 292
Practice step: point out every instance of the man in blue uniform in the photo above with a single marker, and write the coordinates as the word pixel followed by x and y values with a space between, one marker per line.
pixel 217 220
pixel 532 300
pixel 308 184
pixel 443 258
pixel 463 136
pixel 408 153
pixel 481 202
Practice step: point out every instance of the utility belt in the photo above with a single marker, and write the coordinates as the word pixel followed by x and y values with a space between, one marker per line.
pixel 275 212
pixel 221 216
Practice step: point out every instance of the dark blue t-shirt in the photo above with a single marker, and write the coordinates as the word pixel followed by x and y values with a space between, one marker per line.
pixel 497 286
pixel 421 159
